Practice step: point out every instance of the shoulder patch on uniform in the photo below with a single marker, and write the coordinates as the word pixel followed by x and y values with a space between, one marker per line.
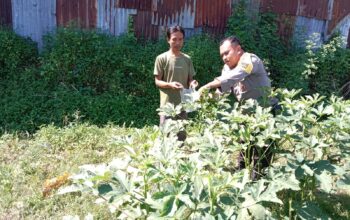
pixel 246 63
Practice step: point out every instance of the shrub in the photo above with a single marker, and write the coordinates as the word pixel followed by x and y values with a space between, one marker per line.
pixel 81 59
pixel 16 53
pixel 204 52
pixel 327 68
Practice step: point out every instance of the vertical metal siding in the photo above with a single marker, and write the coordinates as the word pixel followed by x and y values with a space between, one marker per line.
pixel 212 16
pixel 287 7
pixel 152 16
pixel 144 5
pixel 151 23
pixel 33 18
pixel 319 16
pixel 5 12
pixel 317 9
pixel 112 19
pixel 306 27
pixel 312 9
pixel 286 24
pixel 343 27
pixel 341 9
pixel 83 12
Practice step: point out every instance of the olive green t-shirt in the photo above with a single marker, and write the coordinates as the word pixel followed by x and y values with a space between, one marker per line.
pixel 173 69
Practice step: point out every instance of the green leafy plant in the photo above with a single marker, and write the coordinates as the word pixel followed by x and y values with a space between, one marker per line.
pixel 165 178
pixel 16 53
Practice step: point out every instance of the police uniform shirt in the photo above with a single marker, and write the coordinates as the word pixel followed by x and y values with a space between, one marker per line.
pixel 248 80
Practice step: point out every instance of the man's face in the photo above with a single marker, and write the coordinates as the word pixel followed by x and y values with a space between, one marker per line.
pixel 176 41
pixel 230 54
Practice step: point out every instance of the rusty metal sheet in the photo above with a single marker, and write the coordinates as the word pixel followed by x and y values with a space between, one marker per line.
pixel 313 9
pixel 34 18
pixel 167 13
pixel 341 9
pixel 152 16
pixel 286 25
pixel 5 12
pixel 81 12
pixel 143 26
pixel 287 7
pixel 211 16
pixel 170 13
pixel 144 5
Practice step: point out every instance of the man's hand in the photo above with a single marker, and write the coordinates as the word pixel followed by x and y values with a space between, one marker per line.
pixel 176 85
pixel 193 84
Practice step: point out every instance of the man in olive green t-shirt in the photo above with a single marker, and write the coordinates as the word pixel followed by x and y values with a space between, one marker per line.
pixel 173 70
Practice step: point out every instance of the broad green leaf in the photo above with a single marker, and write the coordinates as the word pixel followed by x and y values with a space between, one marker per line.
pixel 203 205
pixel 243 214
pixel 169 202
pixel 307 169
pixel 208 217
pixel 182 212
pixel 197 187
pixel 257 211
pixel 325 180
pixel 154 203
pixel 187 200
pixel 308 210
pixel 344 182
pixel 325 165
pixel 104 189
pixel 227 199
pixel 122 178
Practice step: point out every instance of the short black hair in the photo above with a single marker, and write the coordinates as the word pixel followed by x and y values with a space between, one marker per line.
pixel 174 29
pixel 232 39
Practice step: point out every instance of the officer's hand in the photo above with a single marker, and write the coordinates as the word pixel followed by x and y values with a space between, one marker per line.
pixel 176 85
pixel 202 89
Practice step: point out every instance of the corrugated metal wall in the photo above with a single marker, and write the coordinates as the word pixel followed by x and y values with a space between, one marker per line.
pixel 152 16
pixel 308 17
pixel 5 12
pixel 341 9
pixel 213 17
pixel 82 13
pixel 112 19
pixel 33 18
pixel 297 18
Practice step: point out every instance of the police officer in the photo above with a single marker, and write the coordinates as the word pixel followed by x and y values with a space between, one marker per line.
pixel 243 74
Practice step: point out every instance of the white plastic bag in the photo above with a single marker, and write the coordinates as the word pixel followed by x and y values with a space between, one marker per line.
pixel 189 95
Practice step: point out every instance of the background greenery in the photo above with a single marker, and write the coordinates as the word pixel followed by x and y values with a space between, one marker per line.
pixel 105 79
